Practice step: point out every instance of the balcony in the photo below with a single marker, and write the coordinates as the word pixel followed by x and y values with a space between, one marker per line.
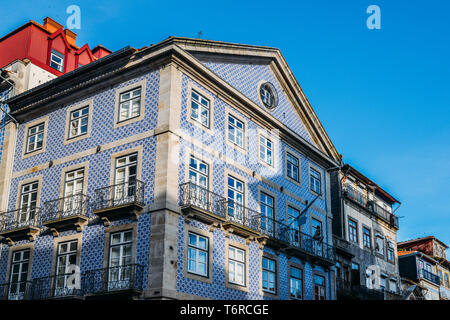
pixel 343 246
pixel 427 275
pixel 65 213
pixel 241 220
pixel 211 208
pixel 296 243
pixel 114 282
pixel 15 290
pixel 120 200
pixel 198 202
pixel 55 287
pixel 201 203
pixel 385 215
pixel 355 195
pixel 20 224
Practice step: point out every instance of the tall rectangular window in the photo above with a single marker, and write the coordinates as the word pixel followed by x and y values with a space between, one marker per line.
pixel 353 230
pixel 65 258
pixel 294 226
pixel 28 200
pixel 292 167
pixel 367 238
pixel 57 60
pixel 73 188
pixel 236 266
pixel 379 245
pixel 199 182
pixel 295 280
pixel 319 287
pixel 19 274
pixel 315 181
pixel 198 254
pixel 130 104
pixel 268 275
pixel 198 172
pixel 265 150
pixel 200 109
pixel 120 259
pixel 35 137
pixel 235 131
pixel 266 204
pixel 79 122
pixel 390 251
pixel 125 178
pixel 235 199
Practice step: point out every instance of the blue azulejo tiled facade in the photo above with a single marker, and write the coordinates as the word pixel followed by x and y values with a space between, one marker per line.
pixel 173 171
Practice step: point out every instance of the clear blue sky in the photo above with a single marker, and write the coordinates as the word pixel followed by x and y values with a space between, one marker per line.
pixel 382 95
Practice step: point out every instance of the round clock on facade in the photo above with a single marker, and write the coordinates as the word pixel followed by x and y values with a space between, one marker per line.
pixel 268 95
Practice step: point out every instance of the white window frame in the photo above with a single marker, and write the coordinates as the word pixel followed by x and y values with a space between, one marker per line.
pixel 64 258
pixel 131 100
pixel 233 130
pixel 290 164
pixel 235 212
pixel 59 64
pixel 78 120
pixel 201 107
pixel 197 249
pixel 271 275
pixel 321 289
pixel 266 151
pixel 18 293
pixel 267 212
pixel 233 263
pixel 122 272
pixel 27 206
pixel 295 283
pixel 40 132
pixel 314 181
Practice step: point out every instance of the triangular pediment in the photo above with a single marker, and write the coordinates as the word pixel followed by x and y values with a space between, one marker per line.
pixel 246 67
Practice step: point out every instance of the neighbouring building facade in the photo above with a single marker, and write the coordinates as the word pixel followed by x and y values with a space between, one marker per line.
pixel 189 169
pixel 29 56
pixel 424 269
pixel 365 236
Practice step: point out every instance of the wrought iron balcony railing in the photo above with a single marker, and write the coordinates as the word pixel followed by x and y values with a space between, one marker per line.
pixel 19 218
pixel 198 197
pixel 237 213
pixel 15 290
pixel 385 215
pixel 201 198
pixel 297 239
pixel 76 205
pixel 355 195
pixel 121 278
pixel 430 276
pixel 57 286
pixel 126 193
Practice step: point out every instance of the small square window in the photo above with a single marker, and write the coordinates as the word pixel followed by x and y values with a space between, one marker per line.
pixel 57 60
pixel 130 104
pixel 79 120
pixel 35 138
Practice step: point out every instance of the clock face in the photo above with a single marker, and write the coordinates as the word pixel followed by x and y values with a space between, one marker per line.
pixel 268 95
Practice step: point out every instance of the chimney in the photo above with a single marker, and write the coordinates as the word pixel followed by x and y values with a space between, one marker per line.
pixel 51 25
pixel 70 36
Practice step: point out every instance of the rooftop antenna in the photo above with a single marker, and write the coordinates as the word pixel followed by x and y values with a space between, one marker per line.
pixel 200 34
